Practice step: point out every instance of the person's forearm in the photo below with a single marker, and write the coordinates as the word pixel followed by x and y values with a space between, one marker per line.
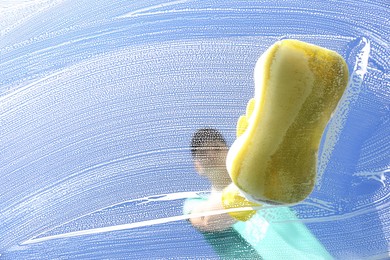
pixel 214 216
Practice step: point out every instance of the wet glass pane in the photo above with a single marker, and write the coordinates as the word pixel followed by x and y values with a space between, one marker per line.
pixel 99 101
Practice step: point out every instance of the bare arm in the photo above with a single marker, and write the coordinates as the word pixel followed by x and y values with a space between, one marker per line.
pixel 212 222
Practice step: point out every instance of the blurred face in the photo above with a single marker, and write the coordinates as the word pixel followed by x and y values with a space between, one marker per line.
pixel 212 163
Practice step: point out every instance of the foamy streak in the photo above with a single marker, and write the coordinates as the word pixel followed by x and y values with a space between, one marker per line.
pixel 143 200
pixel 379 175
pixel 148 9
pixel 152 222
pixel 339 118
pixel 129 226
pixel 15 13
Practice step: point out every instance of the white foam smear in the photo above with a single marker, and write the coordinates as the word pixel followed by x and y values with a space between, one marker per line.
pixel 178 196
pixel 114 228
pixel 147 10
pixel 100 98
pixel 17 3
pixel 14 13
pixel 95 231
pixel 338 120
pixel 161 197
pixel 185 195
pixel 378 175
pixel 140 201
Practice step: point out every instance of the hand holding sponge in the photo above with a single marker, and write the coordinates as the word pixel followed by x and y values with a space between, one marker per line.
pixel 274 158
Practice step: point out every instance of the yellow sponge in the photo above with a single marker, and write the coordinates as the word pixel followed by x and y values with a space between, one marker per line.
pixel 297 87
pixel 232 198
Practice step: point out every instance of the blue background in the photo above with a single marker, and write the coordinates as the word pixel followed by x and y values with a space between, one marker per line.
pixel 99 99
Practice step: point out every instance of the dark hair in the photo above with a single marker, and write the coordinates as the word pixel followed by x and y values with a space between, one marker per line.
pixel 206 139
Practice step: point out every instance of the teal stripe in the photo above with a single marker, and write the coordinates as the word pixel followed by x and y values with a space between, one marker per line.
pixel 256 238
pixel 228 244
pixel 287 238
